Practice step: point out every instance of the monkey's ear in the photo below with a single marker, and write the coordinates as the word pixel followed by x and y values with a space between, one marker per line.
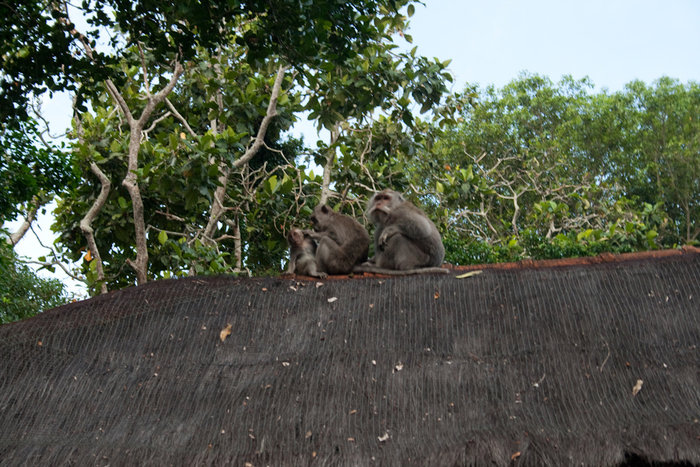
pixel 325 209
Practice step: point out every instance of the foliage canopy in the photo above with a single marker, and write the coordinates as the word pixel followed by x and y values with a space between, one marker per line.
pixel 180 159
pixel 22 293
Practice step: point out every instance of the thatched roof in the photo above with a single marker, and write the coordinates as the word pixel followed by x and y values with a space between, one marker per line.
pixel 588 364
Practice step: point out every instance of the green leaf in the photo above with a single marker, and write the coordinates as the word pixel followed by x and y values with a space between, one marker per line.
pixel 651 237
pixel 162 237
pixel 468 173
pixel 584 235
pixel 271 184
pixel 115 146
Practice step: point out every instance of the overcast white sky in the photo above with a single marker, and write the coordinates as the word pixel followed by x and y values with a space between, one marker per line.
pixel 611 41
pixel 491 41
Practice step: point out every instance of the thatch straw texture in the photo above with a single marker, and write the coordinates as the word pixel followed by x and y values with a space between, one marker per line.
pixel 593 364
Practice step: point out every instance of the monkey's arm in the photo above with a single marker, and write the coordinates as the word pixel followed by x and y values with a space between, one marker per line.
pixel 388 232
pixel 411 225
pixel 318 235
pixel 307 266
pixel 292 264
pixel 313 272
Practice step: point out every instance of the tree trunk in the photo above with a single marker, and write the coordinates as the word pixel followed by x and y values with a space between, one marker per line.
pixel 130 182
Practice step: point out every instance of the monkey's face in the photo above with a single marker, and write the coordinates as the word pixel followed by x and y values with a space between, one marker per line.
pixel 382 204
pixel 295 237
pixel 319 218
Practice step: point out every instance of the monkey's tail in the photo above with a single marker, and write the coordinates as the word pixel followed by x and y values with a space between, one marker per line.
pixel 398 272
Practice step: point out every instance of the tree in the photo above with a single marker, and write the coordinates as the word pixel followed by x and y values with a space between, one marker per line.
pixel 22 293
pixel 532 170
pixel 182 168
pixel 41 48
pixel 211 184
pixel 659 158
pixel 32 170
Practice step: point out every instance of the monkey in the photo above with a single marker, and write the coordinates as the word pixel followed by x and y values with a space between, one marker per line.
pixel 405 240
pixel 342 241
pixel 302 254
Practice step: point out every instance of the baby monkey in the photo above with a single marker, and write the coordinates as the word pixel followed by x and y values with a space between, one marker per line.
pixel 405 240
pixel 302 254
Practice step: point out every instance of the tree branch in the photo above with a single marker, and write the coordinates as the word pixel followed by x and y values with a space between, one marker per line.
pixel 55 262
pixel 144 71
pixel 217 208
pixel 328 167
pixel 86 224
pixel 177 115
pixel 34 204
pixel 155 123
pixel 269 115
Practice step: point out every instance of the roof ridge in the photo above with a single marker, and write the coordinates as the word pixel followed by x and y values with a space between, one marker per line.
pixel 582 261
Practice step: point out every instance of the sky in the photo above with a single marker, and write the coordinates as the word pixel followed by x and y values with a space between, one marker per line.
pixel 490 42
pixel 612 42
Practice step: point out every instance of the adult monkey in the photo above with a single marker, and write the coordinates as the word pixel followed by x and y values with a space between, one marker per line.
pixel 405 240
pixel 342 241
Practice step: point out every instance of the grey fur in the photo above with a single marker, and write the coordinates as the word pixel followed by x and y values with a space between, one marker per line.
pixel 342 241
pixel 404 238
pixel 302 255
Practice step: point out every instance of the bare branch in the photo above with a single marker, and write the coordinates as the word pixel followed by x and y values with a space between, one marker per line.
pixel 119 100
pixel 169 232
pixel 130 182
pixel 86 224
pixel 46 130
pixel 111 88
pixel 144 70
pixel 218 209
pixel 47 264
pixel 269 115
pixel 171 217
pixel 163 93
pixel 55 261
pixel 328 168
pixel 34 206
pixel 180 117
pixel 156 122
pixel 223 237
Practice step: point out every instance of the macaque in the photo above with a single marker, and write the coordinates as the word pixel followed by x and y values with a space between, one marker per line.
pixel 302 255
pixel 405 240
pixel 342 241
